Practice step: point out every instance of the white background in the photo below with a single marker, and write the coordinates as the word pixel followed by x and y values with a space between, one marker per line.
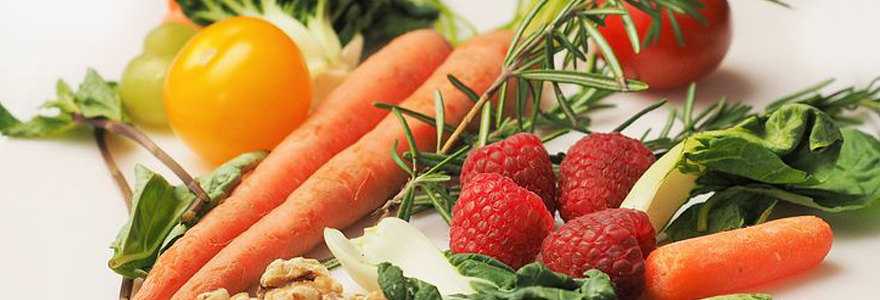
pixel 59 209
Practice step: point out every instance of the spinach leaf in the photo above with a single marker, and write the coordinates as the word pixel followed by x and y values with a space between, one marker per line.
pixel 741 297
pixel 796 144
pixel 495 272
pixel 395 286
pixel 736 207
pixel 95 98
pixel 855 181
pixel 531 282
pixel 157 207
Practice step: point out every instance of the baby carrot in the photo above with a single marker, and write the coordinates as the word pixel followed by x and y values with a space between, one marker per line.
pixel 391 74
pixel 355 182
pixel 738 259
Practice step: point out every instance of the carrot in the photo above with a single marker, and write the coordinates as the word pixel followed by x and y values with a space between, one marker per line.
pixel 738 259
pixel 175 14
pixel 391 74
pixel 355 182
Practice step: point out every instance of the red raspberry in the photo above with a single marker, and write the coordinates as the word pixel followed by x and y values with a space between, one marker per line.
pixel 521 157
pixel 496 217
pixel 598 172
pixel 615 241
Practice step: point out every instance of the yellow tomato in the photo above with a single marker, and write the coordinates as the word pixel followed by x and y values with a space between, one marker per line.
pixel 239 85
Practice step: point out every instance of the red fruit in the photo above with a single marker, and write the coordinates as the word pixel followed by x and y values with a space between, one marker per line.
pixel 598 172
pixel 615 241
pixel 521 157
pixel 496 217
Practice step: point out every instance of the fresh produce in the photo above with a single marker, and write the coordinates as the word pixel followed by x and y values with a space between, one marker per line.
pixel 793 148
pixel 397 259
pixel 684 49
pixel 394 72
pixel 737 259
pixel 219 112
pixel 496 217
pixel 521 157
pixel 157 208
pixel 321 27
pixel 175 14
pixel 143 81
pixel 354 182
pixel 598 171
pixel 615 241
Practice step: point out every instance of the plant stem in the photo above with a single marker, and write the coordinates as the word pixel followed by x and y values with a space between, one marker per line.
pixel 125 288
pixel 101 140
pixel 505 74
pixel 142 139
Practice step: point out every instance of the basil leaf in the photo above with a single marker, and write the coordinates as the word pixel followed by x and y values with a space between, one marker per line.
pixel 741 297
pixel 155 212
pixel 36 127
pixel 97 98
pixel 733 208
pixel 157 207
pixel 395 286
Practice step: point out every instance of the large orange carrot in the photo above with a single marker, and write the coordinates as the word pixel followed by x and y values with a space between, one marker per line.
pixel 355 182
pixel 391 74
pixel 738 259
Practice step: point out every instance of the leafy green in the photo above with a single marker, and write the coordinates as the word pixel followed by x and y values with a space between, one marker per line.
pixel 96 97
pixel 853 183
pixel 395 286
pixel 796 144
pixel 157 207
pixel 378 20
pixel 531 282
pixel 733 208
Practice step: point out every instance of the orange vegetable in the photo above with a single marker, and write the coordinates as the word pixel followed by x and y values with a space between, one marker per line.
pixel 176 15
pixel 391 75
pixel 353 183
pixel 734 260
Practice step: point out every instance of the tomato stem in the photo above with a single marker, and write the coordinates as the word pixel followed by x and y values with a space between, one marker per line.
pixel 142 139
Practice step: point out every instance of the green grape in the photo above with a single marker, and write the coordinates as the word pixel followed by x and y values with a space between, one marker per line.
pixel 141 89
pixel 167 39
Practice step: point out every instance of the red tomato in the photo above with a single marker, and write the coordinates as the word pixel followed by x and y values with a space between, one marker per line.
pixel 665 63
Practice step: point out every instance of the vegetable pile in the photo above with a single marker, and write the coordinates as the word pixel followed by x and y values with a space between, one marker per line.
pixel 369 113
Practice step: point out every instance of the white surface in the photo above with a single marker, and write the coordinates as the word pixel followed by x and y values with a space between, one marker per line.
pixel 60 209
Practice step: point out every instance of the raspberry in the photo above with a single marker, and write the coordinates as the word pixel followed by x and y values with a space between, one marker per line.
pixel 598 172
pixel 615 241
pixel 496 217
pixel 521 157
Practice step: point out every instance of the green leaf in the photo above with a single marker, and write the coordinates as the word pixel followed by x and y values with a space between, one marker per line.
pixel 155 212
pixel 583 79
pixel 485 267
pixel 97 98
pixel 396 286
pixel 797 144
pixel 733 208
pixel 36 127
pixel 157 206
pixel 854 182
